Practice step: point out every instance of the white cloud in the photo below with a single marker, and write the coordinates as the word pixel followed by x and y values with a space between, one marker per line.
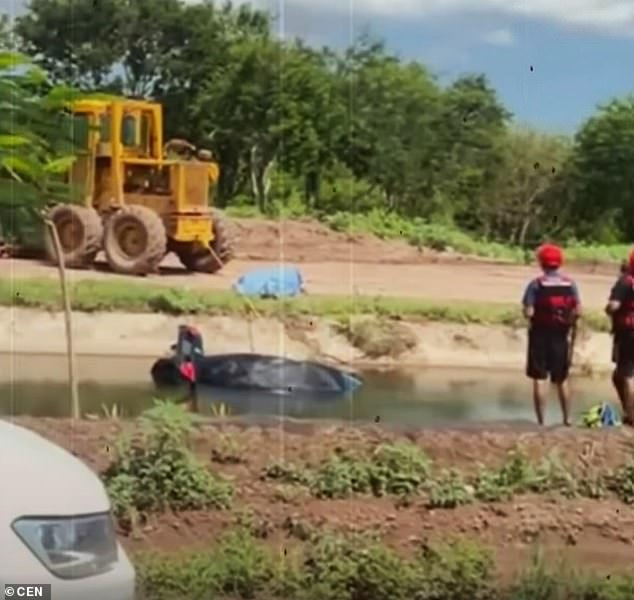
pixel 499 37
pixel 611 16
pixel 608 16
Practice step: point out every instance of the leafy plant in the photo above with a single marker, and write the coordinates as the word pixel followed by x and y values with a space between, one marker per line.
pixel 449 490
pixel 341 476
pixel 336 567
pixel 155 471
pixel 621 482
pixel 399 468
pixel 236 566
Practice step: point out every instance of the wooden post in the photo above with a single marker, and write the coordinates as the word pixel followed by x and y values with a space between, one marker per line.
pixel 72 380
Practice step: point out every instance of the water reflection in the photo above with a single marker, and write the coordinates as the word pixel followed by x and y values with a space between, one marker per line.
pixel 422 397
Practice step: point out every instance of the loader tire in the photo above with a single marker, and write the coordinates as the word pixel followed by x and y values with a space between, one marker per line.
pixel 135 241
pixel 80 232
pixel 200 259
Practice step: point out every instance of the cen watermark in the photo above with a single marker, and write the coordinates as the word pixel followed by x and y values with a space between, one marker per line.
pixel 42 591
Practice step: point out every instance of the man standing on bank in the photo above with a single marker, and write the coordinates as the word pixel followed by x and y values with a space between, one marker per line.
pixel 552 305
pixel 620 309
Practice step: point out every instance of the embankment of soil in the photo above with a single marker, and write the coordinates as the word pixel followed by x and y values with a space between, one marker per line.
pixel 148 335
pixel 597 534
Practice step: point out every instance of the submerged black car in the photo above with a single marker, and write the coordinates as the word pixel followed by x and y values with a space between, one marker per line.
pixel 250 371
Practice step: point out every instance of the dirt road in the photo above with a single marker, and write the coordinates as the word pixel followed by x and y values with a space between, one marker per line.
pixel 335 263
pixel 451 282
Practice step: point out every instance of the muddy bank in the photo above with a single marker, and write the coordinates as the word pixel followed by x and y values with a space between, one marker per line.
pixel 146 336
pixel 597 534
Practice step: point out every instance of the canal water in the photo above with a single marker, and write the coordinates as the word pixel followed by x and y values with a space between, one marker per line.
pixel 35 385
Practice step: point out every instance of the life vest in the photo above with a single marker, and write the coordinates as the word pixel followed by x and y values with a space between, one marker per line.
pixel 188 371
pixel 624 317
pixel 555 302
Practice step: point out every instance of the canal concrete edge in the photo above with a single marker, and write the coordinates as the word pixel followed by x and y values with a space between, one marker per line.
pixel 28 331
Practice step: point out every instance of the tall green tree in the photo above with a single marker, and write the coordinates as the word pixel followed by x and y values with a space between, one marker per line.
pixel 471 124
pixel 528 196
pixel 389 135
pixel 603 171
pixel 78 42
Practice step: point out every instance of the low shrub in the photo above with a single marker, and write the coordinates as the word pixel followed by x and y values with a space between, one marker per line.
pixel 335 567
pixel 155 471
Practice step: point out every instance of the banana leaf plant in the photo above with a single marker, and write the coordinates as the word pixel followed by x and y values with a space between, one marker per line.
pixel 37 148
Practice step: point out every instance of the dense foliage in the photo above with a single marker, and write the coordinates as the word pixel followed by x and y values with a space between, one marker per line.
pixel 320 131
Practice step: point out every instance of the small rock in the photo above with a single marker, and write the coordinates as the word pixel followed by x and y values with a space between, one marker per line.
pixel 390 517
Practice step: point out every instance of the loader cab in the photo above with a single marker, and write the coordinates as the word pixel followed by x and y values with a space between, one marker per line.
pixel 122 128
pixel 123 141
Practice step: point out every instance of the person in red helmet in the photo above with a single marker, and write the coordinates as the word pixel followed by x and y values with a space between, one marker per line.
pixel 552 306
pixel 620 309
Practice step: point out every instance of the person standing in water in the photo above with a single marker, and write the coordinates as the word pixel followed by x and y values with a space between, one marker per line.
pixel 552 305
pixel 620 309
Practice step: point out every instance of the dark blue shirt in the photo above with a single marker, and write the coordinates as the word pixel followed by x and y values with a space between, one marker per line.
pixel 620 289
pixel 530 293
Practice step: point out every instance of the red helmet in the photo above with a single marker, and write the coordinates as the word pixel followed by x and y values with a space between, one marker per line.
pixel 550 256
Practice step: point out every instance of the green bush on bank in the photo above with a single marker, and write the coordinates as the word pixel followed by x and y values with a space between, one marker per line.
pixel 440 237
pixel 403 470
pixel 330 567
pixel 137 297
pixel 154 470
pixel 334 567
pixel 400 468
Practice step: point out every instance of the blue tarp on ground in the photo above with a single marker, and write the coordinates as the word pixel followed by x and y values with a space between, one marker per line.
pixel 271 282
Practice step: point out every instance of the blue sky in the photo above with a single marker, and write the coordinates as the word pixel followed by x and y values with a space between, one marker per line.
pixel 580 49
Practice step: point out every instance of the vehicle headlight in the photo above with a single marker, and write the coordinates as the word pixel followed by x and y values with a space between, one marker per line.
pixel 71 547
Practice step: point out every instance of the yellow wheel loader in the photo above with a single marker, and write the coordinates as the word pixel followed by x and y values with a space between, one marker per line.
pixel 138 204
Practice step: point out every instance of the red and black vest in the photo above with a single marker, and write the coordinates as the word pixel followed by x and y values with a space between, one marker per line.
pixel 624 317
pixel 555 303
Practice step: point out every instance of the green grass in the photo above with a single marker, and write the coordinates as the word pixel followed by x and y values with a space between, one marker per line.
pixel 120 296
pixel 419 233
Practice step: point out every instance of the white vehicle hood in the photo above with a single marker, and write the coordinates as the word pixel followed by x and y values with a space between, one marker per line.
pixel 41 479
